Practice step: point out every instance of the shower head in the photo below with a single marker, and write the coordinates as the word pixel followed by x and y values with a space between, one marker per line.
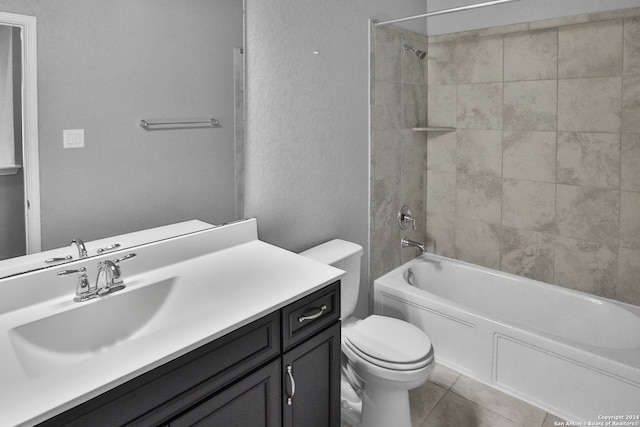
pixel 419 53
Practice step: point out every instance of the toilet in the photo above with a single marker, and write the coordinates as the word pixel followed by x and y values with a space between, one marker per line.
pixel 382 357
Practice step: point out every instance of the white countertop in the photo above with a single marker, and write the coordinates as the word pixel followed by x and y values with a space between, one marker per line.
pixel 246 281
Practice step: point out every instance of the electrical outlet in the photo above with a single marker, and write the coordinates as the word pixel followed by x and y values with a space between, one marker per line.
pixel 73 138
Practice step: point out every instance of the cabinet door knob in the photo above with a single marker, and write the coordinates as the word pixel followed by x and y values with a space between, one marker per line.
pixel 293 385
pixel 313 316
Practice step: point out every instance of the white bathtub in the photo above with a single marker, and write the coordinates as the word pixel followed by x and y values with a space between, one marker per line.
pixel 572 354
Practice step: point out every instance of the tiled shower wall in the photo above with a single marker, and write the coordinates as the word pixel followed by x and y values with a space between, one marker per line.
pixel 398 154
pixel 542 176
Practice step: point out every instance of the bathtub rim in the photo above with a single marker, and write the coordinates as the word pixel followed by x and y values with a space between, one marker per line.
pixel 621 358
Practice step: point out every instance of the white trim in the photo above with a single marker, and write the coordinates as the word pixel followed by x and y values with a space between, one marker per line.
pixel 29 126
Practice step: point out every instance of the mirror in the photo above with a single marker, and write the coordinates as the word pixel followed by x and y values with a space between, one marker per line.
pixel 101 68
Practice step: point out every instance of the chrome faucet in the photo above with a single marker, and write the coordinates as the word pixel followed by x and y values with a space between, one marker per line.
pixel 82 250
pixel 109 272
pixel 406 243
pixel 107 281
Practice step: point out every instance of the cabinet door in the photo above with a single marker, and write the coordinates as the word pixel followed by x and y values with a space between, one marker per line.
pixel 253 401
pixel 311 381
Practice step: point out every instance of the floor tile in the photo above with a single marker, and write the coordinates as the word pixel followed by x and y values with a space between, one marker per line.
pixel 444 376
pixel 501 403
pixel 456 411
pixel 423 399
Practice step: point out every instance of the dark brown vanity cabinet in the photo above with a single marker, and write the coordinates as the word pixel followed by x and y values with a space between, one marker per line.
pixel 280 370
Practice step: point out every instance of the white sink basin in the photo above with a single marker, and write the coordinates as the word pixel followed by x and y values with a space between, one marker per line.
pixel 88 329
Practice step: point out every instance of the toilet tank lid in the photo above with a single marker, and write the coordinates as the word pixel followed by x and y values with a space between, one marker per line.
pixel 333 251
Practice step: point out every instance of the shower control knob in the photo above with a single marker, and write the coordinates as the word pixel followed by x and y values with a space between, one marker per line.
pixel 405 217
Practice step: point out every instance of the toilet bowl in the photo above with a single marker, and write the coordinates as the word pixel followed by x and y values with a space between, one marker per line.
pixel 382 357
pixel 389 357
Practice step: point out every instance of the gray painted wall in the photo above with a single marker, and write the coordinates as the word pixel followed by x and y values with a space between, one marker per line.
pixel 102 66
pixel 307 158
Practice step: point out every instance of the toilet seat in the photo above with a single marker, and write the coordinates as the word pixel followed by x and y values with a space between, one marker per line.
pixel 389 343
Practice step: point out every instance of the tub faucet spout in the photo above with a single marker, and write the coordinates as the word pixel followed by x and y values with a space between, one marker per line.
pixel 407 243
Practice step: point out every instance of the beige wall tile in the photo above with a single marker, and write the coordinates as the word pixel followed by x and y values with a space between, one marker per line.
pixel 614 14
pixel 441 193
pixel 480 152
pixel 480 106
pixel 589 159
pixel 413 166
pixel 528 205
pixel 385 202
pixel 386 106
pixel 542 177
pixel 630 221
pixel 631 104
pixel 413 112
pixel 531 55
pixel 630 175
pixel 586 266
pixel 527 253
pixel 477 242
pixel 385 153
pixel 442 106
pixel 590 105
pixel 587 213
pixel 590 50
pixel 479 198
pixel 387 54
pixel 529 155
pixel 558 22
pixel 628 273
pixel 530 105
pixel 442 152
pixel 441 233
pixel 632 46
pixel 479 59
pixel 441 62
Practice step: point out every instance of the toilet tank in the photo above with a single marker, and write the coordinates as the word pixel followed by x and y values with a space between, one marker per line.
pixel 345 256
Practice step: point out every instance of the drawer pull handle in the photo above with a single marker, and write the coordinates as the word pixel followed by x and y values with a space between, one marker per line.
pixel 313 316
pixel 293 385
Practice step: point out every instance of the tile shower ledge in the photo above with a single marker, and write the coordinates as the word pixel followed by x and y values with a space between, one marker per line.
pixel 434 129
pixel 248 279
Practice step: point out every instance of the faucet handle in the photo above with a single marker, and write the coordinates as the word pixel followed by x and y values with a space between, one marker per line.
pixel 83 288
pixel 124 258
pixel 405 217
pixel 114 266
pixel 81 270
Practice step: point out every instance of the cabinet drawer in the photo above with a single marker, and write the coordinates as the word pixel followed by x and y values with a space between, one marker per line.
pixel 310 314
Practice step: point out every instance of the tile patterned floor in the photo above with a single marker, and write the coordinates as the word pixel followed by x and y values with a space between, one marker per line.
pixel 450 399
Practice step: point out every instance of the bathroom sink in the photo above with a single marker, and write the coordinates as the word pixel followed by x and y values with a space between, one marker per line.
pixel 91 328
